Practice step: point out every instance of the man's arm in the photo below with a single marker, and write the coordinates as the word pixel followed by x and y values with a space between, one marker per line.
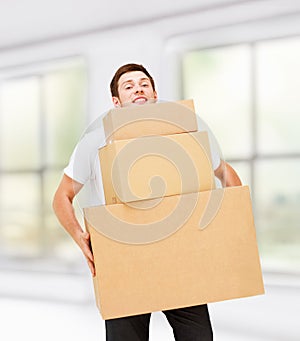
pixel 227 175
pixel 63 208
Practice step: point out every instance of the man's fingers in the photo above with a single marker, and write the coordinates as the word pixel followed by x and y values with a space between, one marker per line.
pixel 89 255
pixel 86 245
pixel 86 235
pixel 87 251
pixel 92 267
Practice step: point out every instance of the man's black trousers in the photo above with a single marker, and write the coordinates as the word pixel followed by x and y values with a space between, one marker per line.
pixel 188 324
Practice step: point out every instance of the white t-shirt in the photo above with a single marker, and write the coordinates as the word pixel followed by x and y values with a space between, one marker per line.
pixel 84 166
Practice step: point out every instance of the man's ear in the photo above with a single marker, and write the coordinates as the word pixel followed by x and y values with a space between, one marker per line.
pixel 116 102
pixel 155 95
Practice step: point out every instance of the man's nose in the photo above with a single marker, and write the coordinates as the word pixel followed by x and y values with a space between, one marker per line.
pixel 139 89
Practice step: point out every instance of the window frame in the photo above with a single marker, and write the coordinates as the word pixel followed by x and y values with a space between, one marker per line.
pixel 252 33
pixel 42 262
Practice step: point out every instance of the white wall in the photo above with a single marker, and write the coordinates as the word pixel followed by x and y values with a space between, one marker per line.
pixel 157 44
pixel 104 53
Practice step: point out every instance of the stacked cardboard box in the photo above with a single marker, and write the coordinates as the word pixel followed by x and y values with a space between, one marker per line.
pixel 186 245
pixel 156 142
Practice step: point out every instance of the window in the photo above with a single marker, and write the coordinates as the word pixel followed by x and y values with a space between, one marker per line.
pixel 42 115
pixel 249 95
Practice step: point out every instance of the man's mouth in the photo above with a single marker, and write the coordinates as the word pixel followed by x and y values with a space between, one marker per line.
pixel 140 100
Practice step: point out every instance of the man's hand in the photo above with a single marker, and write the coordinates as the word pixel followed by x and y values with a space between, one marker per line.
pixel 62 205
pixel 84 243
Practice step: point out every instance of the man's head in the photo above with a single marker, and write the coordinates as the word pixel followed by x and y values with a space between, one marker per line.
pixel 132 83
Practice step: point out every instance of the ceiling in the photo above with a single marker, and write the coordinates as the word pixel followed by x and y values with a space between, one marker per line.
pixel 28 21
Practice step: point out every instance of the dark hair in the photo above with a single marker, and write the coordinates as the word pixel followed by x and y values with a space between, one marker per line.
pixel 124 69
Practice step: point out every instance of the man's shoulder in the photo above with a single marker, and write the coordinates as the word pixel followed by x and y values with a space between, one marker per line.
pixel 92 140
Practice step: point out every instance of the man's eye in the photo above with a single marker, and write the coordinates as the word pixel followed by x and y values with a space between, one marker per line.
pixel 128 87
pixel 145 85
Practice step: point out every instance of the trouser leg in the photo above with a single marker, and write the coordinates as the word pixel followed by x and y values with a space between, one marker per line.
pixel 130 328
pixel 191 323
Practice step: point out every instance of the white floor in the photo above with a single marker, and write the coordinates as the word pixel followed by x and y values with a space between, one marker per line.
pixel 271 317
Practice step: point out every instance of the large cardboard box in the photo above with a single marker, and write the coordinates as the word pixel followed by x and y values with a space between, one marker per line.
pixel 156 166
pixel 164 118
pixel 186 250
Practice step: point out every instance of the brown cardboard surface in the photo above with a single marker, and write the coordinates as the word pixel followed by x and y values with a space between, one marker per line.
pixel 164 118
pixel 191 266
pixel 156 166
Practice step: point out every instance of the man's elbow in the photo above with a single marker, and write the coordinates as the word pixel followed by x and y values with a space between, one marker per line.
pixel 56 201
pixel 231 177
pixel 227 175
pixel 60 198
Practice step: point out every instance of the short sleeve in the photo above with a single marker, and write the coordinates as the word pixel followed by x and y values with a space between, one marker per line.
pixel 81 166
pixel 214 146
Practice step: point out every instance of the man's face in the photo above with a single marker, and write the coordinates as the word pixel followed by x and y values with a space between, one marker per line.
pixel 134 88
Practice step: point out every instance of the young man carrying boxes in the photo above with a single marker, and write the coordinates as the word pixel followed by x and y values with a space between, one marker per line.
pixel 131 84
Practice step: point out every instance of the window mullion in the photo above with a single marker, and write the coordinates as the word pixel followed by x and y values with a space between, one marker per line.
pixel 44 246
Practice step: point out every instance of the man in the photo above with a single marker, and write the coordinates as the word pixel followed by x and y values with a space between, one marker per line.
pixel 131 84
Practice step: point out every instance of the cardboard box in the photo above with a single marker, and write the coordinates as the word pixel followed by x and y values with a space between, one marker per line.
pixel 148 260
pixel 164 118
pixel 156 166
